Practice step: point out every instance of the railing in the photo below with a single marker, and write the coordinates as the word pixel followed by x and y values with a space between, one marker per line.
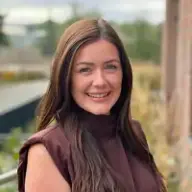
pixel 8 177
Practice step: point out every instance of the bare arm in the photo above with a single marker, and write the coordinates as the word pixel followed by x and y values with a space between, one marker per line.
pixel 42 175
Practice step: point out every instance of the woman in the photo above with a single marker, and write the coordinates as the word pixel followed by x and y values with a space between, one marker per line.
pixel 94 145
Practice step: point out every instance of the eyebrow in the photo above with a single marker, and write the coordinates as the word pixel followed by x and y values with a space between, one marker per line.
pixel 91 63
pixel 85 63
pixel 112 60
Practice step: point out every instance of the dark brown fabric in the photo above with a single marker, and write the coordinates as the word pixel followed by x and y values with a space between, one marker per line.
pixel 56 144
pixel 133 174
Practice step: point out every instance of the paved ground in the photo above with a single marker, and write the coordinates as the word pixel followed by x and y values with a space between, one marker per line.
pixel 15 95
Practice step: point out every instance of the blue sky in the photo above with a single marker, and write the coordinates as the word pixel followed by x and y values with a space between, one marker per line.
pixel 32 11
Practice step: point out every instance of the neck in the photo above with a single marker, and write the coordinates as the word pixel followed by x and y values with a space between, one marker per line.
pixel 101 126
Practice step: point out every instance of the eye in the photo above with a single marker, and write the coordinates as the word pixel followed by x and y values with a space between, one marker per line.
pixel 111 67
pixel 85 70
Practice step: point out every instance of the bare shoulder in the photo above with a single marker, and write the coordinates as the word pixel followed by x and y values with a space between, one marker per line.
pixel 40 153
pixel 42 174
pixel 38 149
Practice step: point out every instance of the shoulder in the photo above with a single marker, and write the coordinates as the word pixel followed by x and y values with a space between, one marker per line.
pixel 38 150
pixel 50 142
pixel 50 132
pixel 138 130
pixel 38 157
pixel 52 136
pixel 136 125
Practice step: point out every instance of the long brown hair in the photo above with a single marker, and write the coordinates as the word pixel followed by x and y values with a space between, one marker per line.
pixel 92 172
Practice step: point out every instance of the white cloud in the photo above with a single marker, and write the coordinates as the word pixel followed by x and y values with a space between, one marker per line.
pixel 14 30
pixel 119 7
pixel 156 5
pixel 25 15
pixel 21 15
pixel 135 5
pixel 153 10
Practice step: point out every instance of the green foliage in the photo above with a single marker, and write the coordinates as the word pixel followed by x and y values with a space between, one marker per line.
pixel 149 109
pixel 12 144
pixel 53 30
pixel 143 40
pixel 49 42
pixel 173 187
pixel 10 147
pixel 149 76
pixel 8 189
pixel 3 37
pixel 9 150
pixel 9 154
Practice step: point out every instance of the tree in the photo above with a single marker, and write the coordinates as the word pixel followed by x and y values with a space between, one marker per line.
pixel 53 30
pixel 143 40
pixel 49 41
pixel 78 13
pixel 3 38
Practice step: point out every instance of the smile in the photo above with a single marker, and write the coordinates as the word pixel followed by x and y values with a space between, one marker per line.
pixel 98 95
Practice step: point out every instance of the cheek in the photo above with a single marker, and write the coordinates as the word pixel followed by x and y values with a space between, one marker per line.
pixel 118 86
pixel 116 81
pixel 78 86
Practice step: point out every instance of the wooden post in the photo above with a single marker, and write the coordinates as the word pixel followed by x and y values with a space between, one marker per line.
pixel 169 48
pixel 183 91
pixel 177 80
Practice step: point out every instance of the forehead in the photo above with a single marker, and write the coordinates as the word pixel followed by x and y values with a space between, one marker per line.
pixel 98 51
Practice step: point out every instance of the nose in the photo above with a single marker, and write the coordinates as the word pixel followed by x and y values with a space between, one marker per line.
pixel 99 79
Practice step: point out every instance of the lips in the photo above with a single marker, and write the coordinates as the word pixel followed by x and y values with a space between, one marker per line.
pixel 98 95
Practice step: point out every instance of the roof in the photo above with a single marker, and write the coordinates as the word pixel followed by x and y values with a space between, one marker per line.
pixel 16 95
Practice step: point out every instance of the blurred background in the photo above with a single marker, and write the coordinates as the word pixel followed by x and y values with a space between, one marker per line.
pixel 29 32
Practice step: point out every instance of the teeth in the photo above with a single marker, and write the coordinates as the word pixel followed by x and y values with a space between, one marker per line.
pixel 98 95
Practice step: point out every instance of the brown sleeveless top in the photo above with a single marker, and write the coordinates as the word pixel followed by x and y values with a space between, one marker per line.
pixel 134 175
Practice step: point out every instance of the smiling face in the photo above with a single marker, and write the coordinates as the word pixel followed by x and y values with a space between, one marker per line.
pixel 96 77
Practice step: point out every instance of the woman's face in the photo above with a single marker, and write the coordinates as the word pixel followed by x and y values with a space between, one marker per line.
pixel 96 77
